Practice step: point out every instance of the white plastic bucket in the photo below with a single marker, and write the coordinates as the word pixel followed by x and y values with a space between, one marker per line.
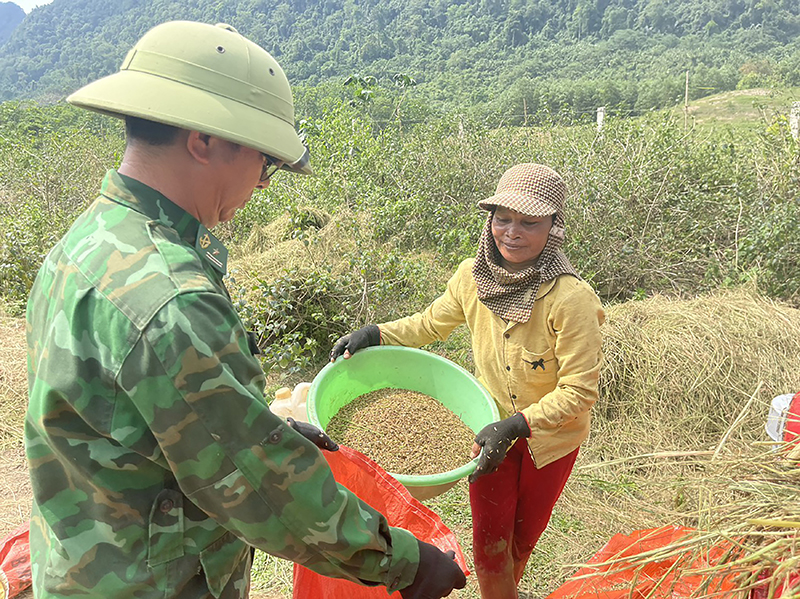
pixel 776 420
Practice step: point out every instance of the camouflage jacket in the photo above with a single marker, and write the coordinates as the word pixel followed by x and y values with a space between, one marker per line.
pixel 154 459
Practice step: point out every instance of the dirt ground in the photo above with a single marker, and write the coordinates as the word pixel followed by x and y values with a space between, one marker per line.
pixel 15 491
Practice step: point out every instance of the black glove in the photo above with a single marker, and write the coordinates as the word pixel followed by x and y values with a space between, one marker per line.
pixel 437 575
pixel 313 434
pixel 496 439
pixel 351 343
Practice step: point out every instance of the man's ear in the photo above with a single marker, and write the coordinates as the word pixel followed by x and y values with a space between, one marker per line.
pixel 199 146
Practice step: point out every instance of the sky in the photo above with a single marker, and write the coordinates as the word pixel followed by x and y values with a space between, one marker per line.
pixel 28 5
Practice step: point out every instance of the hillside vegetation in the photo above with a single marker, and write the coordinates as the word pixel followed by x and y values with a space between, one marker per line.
pixel 513 60
pixel 741 108
pixel 653 208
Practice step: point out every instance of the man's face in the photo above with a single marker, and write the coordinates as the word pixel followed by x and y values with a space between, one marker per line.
pixel 519 238
pixel 239 174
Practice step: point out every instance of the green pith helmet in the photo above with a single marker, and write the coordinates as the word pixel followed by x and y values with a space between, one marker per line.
pixel 204 78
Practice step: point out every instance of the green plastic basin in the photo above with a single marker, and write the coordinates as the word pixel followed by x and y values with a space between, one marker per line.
pixel 341 382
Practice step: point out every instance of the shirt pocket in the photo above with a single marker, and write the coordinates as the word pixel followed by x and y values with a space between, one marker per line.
pixel 166 528
pixel 538 373
pixel 222 559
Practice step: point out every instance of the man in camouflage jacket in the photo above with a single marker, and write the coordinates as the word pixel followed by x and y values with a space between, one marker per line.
pixel 155 461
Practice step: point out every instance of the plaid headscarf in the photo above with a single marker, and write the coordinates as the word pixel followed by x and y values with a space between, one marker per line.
pixel 534 190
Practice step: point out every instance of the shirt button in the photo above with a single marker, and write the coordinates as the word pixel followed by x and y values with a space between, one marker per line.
pixel 275 436
pixel 507 335
pixel 166 506
pixel 513 397
pixel 508 367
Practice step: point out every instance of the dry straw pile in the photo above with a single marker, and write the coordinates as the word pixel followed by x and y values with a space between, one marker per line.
pixel 744 530
pixel 272 248
pixel 679 441
pixel 690 364
pixel 13 380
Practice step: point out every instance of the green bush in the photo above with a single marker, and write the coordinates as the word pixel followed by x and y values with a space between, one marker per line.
pixel 298 313
pixel 771 244
pixel 652 207
pixel 52 159
pixel 295 316
pixel 27 238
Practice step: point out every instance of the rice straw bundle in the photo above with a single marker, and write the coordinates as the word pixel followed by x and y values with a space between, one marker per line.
pixel 745 542
pixel 678 441
pixel 690 363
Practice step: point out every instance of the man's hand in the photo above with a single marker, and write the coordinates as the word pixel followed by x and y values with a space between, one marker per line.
pixel 352 342
pixel 313 434
pixel 437 575
pixel 496 439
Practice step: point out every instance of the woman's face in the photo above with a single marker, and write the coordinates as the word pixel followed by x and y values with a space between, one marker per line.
pixel 519 238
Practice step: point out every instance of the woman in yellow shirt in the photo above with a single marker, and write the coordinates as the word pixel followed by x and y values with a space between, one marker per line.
pixel 535 328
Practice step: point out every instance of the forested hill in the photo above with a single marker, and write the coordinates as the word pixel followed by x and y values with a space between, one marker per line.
pixel 510 57
pixel 11 15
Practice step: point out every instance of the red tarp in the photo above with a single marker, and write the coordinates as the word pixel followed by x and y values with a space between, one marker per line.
pixel 670 577
pixel 15 561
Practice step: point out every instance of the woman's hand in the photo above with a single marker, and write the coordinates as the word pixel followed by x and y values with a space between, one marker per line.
pixel 496 439
pixel 351 343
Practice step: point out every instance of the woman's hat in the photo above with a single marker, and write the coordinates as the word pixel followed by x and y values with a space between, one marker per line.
pixel 531 189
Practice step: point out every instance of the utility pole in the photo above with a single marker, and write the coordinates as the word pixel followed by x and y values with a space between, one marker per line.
pixel 525 111
pixel 601 115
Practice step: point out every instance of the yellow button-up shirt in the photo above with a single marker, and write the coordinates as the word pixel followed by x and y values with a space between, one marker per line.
pixel 547 368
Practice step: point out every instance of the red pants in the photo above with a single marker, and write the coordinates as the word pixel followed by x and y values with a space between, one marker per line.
pixel 510 510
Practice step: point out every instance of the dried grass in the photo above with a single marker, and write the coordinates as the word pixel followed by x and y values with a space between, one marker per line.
pixel 13 380
pixel 15 488
pixel 688 364
pixel 678 437
pixel 15 498
pixel 270 249
pixel 744 506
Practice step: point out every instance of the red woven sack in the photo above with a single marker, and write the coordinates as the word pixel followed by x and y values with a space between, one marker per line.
pixel 791 432
pixel 15 562
pixel 381 491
